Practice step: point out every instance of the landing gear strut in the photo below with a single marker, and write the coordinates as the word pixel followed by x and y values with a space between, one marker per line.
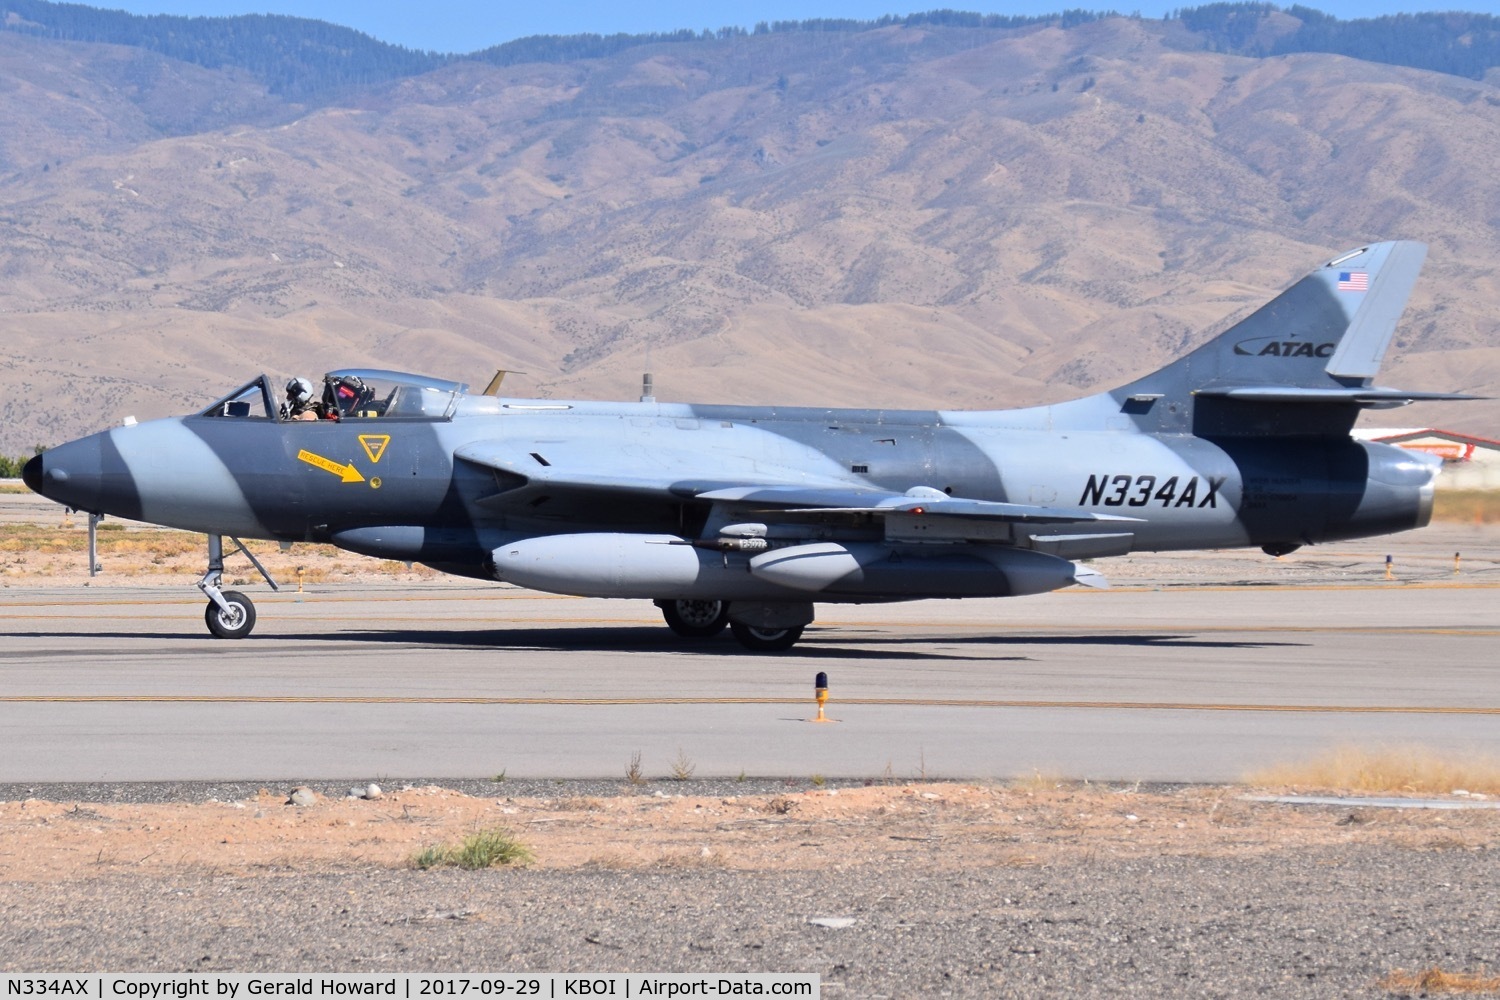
pixel 230 614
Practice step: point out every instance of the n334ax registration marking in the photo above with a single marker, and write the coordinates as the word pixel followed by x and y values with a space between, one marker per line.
pixel 1137 491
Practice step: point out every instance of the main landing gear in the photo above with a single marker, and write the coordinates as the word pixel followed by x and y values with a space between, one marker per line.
pixel 759 626
pixel 765 640
pixel 695 619
pixel 230 614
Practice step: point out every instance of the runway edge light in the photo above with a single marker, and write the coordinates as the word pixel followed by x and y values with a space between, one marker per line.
pixel 820 692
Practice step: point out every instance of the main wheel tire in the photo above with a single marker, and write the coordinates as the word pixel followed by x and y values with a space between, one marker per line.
pixel 696 619
pixel 765 640
pixel 236 622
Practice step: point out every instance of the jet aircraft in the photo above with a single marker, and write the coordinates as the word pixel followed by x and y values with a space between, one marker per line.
pixel 746 516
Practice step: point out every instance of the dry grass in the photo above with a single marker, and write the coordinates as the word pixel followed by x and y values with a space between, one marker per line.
pixel 1409 769
pixel 486 849
pixel 1435 980
pixel 683 767
pixel 1038 781
pixel 1467 506
pixel 50 551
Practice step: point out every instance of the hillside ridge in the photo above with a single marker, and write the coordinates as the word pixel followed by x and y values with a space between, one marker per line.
pixel 904 216
pixel 312 60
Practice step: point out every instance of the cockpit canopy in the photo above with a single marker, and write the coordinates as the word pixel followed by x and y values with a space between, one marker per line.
pixel 349 394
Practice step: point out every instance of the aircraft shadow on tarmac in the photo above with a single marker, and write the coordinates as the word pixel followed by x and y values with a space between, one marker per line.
pixel 833 643
pixel 828 642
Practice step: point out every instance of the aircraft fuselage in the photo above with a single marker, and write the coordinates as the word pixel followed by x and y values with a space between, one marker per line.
pixel 330 481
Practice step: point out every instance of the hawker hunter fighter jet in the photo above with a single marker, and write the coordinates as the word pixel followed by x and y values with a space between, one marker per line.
pixel 746 517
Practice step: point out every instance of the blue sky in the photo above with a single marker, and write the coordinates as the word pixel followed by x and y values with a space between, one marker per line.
pixel 469 25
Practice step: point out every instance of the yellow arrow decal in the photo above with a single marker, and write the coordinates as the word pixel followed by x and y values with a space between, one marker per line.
pixel 346 473
pixel 374 445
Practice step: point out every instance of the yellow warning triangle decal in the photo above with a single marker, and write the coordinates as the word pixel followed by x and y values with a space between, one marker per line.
pixel 374 445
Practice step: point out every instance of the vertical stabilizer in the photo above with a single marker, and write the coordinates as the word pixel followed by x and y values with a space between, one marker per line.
pixel 1328 331
pixel 1303 363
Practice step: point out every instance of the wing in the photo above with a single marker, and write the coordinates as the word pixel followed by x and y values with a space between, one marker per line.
pixel 921 501
pixel 783 497
pixel 579 467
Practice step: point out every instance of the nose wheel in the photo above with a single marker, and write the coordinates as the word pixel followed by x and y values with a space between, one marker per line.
pixel 230 614
pixel 234 620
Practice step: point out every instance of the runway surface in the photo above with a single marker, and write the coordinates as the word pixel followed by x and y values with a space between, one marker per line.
pixel 1144 682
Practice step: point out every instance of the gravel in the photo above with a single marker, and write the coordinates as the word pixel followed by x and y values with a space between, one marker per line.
pixel 1322 924
pixel 232 791
pixel 1326 921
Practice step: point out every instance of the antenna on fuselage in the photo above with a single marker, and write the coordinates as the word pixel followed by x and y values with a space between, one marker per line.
pixel 493 389
pixel 648 386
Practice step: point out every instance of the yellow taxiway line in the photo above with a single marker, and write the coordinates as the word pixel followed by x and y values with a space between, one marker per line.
pixel 1155 706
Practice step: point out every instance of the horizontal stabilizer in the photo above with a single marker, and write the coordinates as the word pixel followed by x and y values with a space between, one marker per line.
pixel 1086 576
pixel 1371 396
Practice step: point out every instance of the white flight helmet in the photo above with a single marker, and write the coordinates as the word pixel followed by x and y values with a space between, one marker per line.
pixel 299 390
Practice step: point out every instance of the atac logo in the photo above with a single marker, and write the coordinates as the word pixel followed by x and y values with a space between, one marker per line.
pixel 1275 347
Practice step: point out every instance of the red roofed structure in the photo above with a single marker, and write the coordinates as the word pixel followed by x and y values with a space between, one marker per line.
pixel 1469 462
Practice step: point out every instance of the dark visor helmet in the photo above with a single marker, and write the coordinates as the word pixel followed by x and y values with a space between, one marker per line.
pixel 299 390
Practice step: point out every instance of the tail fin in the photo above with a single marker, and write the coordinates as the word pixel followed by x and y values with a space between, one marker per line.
pixel 1301 364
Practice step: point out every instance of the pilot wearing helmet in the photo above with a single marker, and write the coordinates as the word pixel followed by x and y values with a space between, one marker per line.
pixel 300 404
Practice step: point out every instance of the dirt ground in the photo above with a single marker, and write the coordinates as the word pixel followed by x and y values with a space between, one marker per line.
pixel 941 826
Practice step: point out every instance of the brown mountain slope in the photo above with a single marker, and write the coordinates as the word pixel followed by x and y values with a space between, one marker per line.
pixel 897 217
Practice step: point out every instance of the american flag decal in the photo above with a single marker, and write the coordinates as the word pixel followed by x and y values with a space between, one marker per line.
pixel 1354 281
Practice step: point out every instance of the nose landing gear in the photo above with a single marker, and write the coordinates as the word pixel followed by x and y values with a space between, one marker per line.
pixel 234 619
pixel 230 614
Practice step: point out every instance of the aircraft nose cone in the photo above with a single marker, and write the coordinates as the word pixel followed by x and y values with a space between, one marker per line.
pixel 31 475
pixel 71 474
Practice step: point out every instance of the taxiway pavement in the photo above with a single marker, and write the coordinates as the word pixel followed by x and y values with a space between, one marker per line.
pixel 1156 680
